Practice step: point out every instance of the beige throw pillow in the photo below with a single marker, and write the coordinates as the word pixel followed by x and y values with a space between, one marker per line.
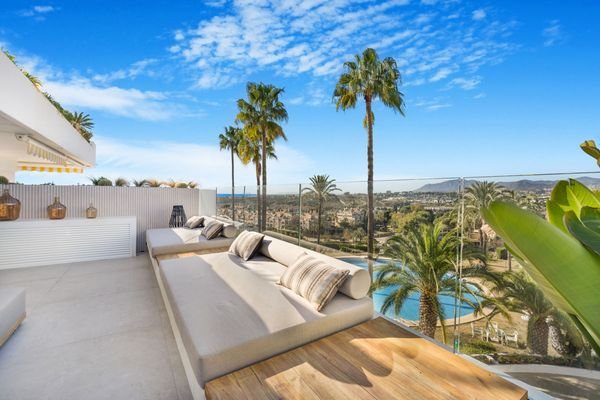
pixel 194 222
pixel 314 280
pixel 246 244
pixel 212 229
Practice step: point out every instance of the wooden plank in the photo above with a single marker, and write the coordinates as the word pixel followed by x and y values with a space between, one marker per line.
pixel 374 360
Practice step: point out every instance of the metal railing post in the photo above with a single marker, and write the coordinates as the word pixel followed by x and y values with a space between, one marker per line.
pixel 299 213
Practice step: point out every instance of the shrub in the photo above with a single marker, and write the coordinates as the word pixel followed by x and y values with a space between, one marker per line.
pixel 478 347
pixel 4 180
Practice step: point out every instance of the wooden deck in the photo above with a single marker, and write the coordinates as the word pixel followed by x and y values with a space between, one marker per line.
pixel 374 360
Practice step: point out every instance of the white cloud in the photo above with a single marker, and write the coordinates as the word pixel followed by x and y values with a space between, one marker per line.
pixel 76 92
pixel 133 103
pixel 180 161
pixel 552 34
pixel 38 11
pixel 134 70
pixel 435 107
pixel 479 96
pixel 442 73
pixel 43 9
pixel 294 37
pixel 432 104
pixel 465 83
pixel 479 14
pixel 215 3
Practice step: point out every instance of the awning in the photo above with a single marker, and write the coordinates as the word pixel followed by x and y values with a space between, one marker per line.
pixel 49 168
pixel 58 162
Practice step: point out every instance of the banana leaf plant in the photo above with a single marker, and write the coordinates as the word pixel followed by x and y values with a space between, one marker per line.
pixel 562 254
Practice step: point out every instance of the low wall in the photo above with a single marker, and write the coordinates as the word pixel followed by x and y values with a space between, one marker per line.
pixel 151 206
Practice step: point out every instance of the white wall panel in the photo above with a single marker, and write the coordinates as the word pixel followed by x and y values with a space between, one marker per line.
pixel 31 243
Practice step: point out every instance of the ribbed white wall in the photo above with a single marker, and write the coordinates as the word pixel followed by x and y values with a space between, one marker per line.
pixel 151 206
pixel 31 243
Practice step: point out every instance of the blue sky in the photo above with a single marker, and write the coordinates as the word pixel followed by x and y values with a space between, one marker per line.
pixel 490 87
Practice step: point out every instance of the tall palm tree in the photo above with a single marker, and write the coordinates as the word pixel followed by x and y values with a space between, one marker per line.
pixel 372 79
pixel 229 140
pixel 478 196
pixel 250 151
pixel 322 187
pixel 427 265
pixel 83 123
pixel 261 114
pixel 521 294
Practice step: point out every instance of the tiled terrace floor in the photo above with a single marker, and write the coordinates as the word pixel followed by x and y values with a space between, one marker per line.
pixel 94 330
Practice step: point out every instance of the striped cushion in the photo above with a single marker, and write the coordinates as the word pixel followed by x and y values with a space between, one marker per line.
pixel 314 280
pixel 212 229
pixel 194 222
pixel 246 244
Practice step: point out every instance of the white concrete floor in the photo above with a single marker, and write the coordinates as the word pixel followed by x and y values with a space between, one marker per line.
pixel 94 330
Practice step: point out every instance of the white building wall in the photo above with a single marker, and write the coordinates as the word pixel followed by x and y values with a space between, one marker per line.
pixel 8 168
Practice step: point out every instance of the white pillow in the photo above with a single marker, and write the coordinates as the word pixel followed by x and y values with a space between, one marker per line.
pixel 229 231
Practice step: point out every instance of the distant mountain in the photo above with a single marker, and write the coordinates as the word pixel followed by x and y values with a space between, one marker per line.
pixel 527 185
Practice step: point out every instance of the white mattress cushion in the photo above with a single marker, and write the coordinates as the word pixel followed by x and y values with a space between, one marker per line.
pixel 231 313
pixel 180 240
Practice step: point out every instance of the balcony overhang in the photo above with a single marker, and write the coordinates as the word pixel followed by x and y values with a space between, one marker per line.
pixel 34 135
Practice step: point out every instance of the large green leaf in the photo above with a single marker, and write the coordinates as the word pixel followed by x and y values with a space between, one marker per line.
pixel 568 273
pixel 581 232
pixel 590 217
pixel 573 195
pixel 559 193
pixel 579 196
pixel 555 214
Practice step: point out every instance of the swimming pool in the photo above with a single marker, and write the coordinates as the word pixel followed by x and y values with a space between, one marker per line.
pixel 410 309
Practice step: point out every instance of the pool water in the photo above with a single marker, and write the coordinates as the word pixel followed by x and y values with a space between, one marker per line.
pixel 410 308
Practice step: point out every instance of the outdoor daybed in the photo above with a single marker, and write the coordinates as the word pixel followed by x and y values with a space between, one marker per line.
pixel 227 313
pixel 163 241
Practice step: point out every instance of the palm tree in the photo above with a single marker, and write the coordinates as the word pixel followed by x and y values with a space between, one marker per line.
pixel 33 79
pixel 83 123
pixel 479 196
pixel 153 183
pixel 170 183
pixel 121 182
pixel 371 79
pixel 229 141
pixel 521 294
pixel 321 187
pixel 140 183
pixel 101 181
pixel 260 115
pixel 427 265
pixel 249 151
